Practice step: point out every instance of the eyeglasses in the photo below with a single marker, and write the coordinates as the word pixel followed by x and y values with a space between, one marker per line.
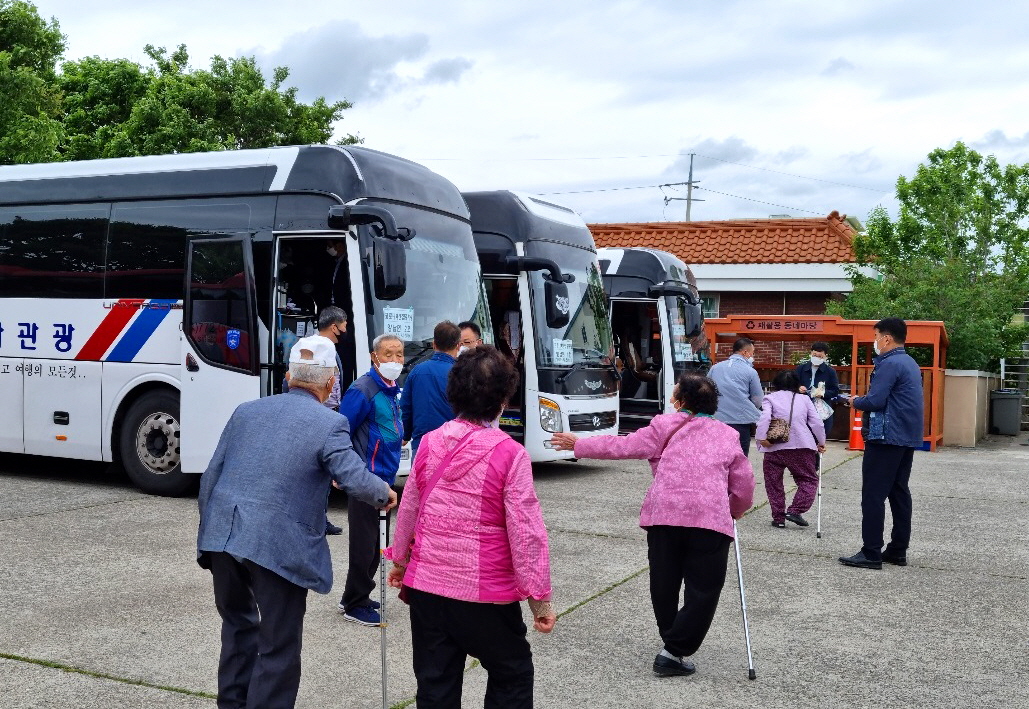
pixel 469 343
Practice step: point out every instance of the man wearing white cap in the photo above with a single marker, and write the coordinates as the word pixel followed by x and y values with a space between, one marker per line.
pixel 262 517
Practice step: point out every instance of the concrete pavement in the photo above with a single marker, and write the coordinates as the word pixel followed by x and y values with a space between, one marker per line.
pixel 100 591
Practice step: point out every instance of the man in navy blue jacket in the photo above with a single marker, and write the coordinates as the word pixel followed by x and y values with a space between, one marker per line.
pixel 893 429
pixel 423 403
pixel 816 371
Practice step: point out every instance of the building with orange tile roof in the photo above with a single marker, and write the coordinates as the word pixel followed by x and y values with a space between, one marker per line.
pixel 775 266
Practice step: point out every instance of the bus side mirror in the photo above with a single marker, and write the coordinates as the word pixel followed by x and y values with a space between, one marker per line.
pixel 389 261
pixel 694 320
pixel 557 306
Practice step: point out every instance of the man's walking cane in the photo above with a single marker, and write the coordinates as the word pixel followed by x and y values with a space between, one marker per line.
pixel 743 599
pixel 383 521
pixel 818 523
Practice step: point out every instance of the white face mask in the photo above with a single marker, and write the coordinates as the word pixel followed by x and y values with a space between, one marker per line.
pixel 817 361
pixel 390 370
pixel 875 346
pixel 331 251
pixel 462 349
pixel 750 360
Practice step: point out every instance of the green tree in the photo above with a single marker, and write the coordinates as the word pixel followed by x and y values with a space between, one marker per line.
pixel 29 49
pixel 956 252
pixel 115 108
pixel 99 95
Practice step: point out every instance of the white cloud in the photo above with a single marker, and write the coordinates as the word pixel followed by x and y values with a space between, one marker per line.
pixel 821 108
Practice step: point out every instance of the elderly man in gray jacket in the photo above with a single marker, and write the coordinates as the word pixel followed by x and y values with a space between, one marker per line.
pixel 262 525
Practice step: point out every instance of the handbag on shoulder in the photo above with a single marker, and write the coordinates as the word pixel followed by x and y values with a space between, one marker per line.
pixel 779 429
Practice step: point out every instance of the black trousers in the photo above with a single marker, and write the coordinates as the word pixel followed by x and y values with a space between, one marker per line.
pixel 744 430
pixel 363 566
pixel 262 627
pixel 695 558
pixel 885 473
pixel 444 632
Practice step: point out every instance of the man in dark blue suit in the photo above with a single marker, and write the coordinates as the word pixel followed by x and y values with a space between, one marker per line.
pixel 262 526
pixel 819 380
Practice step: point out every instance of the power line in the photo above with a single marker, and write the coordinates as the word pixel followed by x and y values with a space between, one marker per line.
pixel 772 204
pixel 602 157
pixel 658 155
pixel 674 184
pixel 612 189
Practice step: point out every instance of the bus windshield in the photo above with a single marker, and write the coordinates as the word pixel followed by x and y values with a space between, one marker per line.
pixel 443 283
pixel 587 337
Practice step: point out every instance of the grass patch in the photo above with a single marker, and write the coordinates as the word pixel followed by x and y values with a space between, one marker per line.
pixel 103 675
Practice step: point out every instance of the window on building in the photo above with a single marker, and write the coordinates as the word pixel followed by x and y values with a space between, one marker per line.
pixel 709 304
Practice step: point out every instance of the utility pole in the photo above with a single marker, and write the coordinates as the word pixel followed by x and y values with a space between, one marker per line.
pixel 689 198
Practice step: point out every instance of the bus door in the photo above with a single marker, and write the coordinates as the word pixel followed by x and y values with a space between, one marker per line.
pixel 506 315
pixel 220 363
pixel 12 393
pixel 637 326
pixel 308 279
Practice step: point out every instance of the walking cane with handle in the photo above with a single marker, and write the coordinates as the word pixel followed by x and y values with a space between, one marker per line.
pixel 383 543
pixel 818 523
pixel 743 599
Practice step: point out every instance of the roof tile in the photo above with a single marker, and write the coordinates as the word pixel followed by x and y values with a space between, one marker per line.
pixel 819 240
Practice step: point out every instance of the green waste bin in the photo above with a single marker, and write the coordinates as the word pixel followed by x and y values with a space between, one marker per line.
pixel 1006 412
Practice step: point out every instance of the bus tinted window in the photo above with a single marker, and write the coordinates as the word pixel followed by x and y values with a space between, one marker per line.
pixel 146 253
pixel 219 309
pixel 54 252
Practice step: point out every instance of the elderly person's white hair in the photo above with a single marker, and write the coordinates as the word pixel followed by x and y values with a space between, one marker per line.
pixel 313 375
pixel 377 342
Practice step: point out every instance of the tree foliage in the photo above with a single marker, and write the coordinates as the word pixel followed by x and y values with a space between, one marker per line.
pixel 29 49
pixel 957 252
pixel 104 108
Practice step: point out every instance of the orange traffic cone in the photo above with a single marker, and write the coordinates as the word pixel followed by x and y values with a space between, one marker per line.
pixel 857 442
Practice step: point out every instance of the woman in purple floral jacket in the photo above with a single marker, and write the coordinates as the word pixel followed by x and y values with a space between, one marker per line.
pixel 702 482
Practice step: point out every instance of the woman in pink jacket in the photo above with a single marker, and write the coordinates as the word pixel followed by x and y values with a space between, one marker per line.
pixel 702 482
pixel 799 454
pixel 470 544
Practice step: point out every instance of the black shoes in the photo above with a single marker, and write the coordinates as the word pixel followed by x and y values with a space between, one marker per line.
pixel 860 561
pixel 330 528
pixel 780 525
pixel 671 667
pixel 895 559
pixel 797 519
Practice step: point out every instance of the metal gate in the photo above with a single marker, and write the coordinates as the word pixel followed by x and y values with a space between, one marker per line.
pixel 1014 373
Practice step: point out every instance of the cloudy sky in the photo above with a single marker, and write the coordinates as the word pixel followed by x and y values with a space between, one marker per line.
pixel 791 107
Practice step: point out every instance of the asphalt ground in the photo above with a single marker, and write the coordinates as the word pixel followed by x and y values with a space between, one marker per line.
pixel 103 604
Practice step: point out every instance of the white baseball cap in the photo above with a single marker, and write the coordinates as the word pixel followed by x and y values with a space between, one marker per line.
pixel 323 351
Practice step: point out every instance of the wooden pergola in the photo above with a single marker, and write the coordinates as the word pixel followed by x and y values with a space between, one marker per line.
pixel 860 333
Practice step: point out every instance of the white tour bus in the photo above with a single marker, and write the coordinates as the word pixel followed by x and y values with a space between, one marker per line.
pixel 546 303
pixel 658 328
pixel 143 299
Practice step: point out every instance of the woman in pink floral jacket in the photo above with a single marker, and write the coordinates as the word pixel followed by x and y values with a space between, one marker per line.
pixel 470 544
pixel 702 482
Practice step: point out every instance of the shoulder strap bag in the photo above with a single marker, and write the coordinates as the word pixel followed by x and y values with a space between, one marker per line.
pixel 675 430
pixel 779 429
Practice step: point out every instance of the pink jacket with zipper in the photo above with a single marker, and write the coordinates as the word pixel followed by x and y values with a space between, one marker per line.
pixel 481 536
pixel 701 477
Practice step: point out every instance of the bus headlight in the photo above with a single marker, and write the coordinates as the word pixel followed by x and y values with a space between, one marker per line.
pixel 550 416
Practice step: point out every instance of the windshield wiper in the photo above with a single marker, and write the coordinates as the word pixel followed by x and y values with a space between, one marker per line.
pixel 575 367
pixel 583 362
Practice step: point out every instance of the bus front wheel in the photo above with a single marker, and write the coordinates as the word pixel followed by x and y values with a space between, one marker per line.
pixel 149 445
